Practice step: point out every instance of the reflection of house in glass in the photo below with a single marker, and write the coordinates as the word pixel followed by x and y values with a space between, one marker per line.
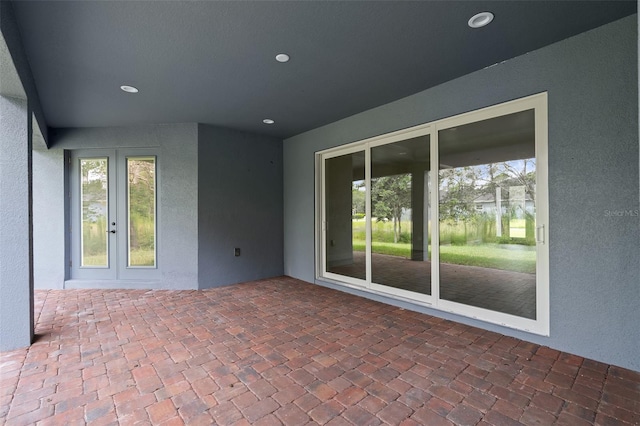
pixel 486 203
pixel 94 210
pixel 94 189
pixel 94 202
pixel 512 204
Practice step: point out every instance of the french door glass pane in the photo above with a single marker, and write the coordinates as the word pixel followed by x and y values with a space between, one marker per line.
pixel 141 213
pixel 345 223
pixel 487 183
pixel 400 229
pixel 94 192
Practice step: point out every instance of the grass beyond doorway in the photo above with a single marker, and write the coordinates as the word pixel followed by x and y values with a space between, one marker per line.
pixel 496 256
pixel 138 258
pixel 486 254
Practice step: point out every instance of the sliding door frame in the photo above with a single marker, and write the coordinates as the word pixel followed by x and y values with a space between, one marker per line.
pixel 343 279
pixel 539 325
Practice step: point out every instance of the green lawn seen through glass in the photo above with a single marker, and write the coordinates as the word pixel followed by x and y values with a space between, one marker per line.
pixel 509 257
pixel 138 258
pixel 496 256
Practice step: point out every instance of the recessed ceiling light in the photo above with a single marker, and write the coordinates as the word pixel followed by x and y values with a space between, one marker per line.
pixel 129 89
pixel 268 121
pixel 282 57
pixel 481 19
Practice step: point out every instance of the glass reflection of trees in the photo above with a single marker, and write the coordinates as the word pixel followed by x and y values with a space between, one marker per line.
pixel 94 201
pixel 489 203
pixel 390 197
pixel 142 210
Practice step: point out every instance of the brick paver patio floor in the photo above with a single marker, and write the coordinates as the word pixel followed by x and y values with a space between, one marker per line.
pixel 503 291
pixel 282 351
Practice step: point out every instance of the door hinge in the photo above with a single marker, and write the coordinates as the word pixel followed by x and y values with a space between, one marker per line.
pixel 70 263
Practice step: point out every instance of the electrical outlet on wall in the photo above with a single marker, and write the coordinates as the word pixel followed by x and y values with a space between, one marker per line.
pixel 236 252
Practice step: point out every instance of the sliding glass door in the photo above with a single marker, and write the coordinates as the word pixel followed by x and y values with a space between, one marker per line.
pixel 344 224
pixel 451 214
pixel 487 214
pixel 400 216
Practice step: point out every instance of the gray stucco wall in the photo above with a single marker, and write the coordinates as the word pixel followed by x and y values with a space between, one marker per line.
pixel 592 84
pixel 240 205
pixel 48 218
pixel 16 251
pixel 178 194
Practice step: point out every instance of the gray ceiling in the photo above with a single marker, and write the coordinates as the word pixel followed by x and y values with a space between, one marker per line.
pixel 213 62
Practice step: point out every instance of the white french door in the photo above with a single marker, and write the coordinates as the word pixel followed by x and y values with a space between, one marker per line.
pixel 114 214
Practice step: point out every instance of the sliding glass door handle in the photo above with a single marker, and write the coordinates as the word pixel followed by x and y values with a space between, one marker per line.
pixel 540 237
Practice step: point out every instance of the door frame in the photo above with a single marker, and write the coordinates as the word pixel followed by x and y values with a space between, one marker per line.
pixel 117 268
pixel 539 325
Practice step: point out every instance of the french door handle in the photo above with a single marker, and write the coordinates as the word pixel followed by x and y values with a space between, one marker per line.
pixel 113 231
pixel 540 237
